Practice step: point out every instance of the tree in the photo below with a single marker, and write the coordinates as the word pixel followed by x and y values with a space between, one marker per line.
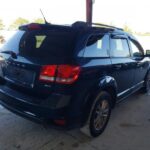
pixel 2 40
pixel 127 29
pixel 1 25
pixel 39 20
pixel 18 22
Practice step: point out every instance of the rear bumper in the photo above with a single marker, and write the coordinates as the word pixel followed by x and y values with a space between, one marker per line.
pixel 27 115
pixel 38 112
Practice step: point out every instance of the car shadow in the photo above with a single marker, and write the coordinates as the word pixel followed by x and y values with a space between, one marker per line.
pixel 19 133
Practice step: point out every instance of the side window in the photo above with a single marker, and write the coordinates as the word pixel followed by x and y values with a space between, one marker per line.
pixel 136 52
pixel 97 46
pixel 119 48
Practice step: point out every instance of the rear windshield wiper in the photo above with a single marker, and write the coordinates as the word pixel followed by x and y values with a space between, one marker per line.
pixel 7 52
pixel 13 54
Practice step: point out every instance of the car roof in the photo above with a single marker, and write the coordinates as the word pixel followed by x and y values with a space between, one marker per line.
pixel 80 28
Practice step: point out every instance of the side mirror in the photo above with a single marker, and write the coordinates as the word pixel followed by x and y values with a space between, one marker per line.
pixel 147 53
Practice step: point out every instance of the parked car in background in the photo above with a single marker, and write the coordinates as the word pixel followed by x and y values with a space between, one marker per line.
pixel 71 76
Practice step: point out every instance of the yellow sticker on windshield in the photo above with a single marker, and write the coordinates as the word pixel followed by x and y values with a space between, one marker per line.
pixel 39 40
pixel 99 44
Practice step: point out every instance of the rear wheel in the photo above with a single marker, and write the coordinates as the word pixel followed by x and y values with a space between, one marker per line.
pixel 100 114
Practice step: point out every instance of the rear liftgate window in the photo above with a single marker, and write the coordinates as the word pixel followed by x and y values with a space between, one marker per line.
pixel 46 44
pixel 42 44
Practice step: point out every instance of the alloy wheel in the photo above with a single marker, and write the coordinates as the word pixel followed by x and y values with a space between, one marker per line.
pixel 101 114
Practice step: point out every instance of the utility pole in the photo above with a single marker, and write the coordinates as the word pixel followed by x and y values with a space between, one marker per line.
pixel 89 11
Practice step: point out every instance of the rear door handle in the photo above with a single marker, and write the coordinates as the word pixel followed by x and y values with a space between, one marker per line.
pixel 126 65
pixel 118 66
pixel 139 64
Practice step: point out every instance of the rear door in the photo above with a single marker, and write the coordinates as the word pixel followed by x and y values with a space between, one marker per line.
pixel 122 63
pixel 95 61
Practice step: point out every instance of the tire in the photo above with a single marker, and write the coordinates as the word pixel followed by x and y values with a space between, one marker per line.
pixel 89 128
pixel 100 114
pixel 147 84
pixel 2 81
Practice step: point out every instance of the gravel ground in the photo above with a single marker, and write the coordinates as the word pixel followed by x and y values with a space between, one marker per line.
pixel 128 129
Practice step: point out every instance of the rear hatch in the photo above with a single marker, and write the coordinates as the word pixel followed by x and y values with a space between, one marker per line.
pixel 31 48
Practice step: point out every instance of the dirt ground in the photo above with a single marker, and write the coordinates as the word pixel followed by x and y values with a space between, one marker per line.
pixel 128 129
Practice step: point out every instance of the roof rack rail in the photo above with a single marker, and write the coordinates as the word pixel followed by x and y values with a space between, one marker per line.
pixel 80 24
pixel 85 24
pixel 108 26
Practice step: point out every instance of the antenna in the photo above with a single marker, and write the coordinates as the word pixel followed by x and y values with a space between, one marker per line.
pixel 43 17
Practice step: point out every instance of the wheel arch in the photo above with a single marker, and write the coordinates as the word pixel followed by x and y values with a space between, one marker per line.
pixel 107 84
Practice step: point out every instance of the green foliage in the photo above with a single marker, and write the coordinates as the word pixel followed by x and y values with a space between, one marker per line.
pixel 1 25
pixel 39 20
pixel 17 23
pixel 127 29
pixel 147 34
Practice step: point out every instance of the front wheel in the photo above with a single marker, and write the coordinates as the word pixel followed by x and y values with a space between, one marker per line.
pixel 147 84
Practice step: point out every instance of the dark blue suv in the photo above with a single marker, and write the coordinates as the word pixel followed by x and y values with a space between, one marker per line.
pixel 71 76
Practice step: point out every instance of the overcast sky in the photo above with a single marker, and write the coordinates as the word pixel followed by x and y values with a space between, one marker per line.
pixel 134 13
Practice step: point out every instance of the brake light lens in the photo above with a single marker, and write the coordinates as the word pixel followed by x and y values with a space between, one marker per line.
pixel 48 73
pixel 65 74
pixel 34 26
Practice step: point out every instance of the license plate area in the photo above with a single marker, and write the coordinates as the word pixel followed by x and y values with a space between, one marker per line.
pixel 19 76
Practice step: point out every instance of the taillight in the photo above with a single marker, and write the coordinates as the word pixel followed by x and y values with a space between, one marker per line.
pixel 31 26
pixel 65 74
pixel 48 73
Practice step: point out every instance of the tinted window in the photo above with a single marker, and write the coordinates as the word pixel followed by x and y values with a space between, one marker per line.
pixel 41 43
pixel 135 50
pixel 97 46
pixel 13 42
pixel 119 48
